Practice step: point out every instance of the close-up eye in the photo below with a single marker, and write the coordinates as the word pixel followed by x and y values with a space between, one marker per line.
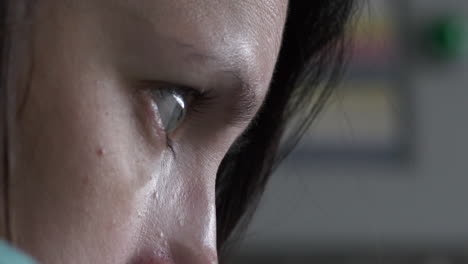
pixel 175 102
pixel 172 105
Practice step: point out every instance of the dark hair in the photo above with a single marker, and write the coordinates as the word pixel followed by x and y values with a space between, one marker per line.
pixel 310 59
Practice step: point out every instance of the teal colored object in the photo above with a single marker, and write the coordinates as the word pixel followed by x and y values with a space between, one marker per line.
pixel 449 37
pixel 10 255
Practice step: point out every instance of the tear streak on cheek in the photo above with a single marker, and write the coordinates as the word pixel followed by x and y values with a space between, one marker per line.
pixel 151 192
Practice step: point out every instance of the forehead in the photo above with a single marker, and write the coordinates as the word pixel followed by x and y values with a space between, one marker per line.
pixel 246 33
pixel 215 17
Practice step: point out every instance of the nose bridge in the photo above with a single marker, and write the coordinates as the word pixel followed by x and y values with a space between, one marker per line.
pixel 195 223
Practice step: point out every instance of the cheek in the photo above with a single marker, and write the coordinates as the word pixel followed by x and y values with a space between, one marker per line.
pixel 80 165
pixel 90 180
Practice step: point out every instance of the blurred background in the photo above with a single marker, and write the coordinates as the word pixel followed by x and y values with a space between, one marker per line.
pixel 382 176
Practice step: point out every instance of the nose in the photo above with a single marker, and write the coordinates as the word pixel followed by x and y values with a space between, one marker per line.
pixel 193 217
pixel 197 255
pixel 196 240
pixel 181 254
pixel 181 225
pixel 192 242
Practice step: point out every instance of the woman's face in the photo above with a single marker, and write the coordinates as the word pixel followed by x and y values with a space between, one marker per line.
pixel 103 166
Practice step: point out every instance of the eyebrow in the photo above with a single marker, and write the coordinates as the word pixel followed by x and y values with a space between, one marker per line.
pixel 247 101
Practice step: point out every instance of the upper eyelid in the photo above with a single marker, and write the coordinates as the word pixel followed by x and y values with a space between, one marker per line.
pixel 243 110
pixel 195 99
pixel 170 85
pixel 198 95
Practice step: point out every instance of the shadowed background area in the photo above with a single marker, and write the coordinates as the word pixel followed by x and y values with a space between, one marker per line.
pixel 382 175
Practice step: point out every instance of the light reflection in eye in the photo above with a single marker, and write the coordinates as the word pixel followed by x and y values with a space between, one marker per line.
pixel 172 107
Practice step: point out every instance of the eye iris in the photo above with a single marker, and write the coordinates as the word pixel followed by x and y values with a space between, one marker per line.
pixel 171 107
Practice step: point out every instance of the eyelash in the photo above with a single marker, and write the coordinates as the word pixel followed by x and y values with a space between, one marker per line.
pixel 201 100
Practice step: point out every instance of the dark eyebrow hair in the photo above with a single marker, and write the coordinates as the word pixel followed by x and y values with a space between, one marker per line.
pixel 247 97
pixel 247 100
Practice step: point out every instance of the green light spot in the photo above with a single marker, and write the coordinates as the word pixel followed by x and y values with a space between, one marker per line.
pixel 448 37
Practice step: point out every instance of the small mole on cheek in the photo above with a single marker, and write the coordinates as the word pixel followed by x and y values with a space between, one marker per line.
pixel 100 151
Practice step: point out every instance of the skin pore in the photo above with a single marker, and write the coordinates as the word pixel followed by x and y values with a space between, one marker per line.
pixel 93 177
